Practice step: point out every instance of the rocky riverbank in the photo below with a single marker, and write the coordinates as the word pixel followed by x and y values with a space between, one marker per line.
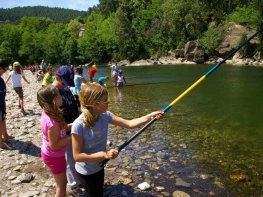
pixel 172 59
pixel 22 173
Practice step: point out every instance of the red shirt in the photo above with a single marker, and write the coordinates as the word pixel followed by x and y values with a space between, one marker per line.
pixel 92 72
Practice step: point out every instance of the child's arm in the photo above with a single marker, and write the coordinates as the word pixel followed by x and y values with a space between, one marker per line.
pixel 79 156
pixel 25 79
pixel 8 79
pixel 130 124
pixel 53 138
pixel 68 126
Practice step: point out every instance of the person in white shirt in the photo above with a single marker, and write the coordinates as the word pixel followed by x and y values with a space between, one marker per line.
pixel 121 79
pixel 16 76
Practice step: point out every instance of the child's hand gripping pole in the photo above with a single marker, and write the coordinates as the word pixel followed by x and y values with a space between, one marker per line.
pixel 122 146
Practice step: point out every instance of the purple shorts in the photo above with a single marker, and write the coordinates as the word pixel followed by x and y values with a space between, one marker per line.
pixel 57 165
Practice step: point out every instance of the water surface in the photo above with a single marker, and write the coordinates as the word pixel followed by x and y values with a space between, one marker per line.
pixel 215 132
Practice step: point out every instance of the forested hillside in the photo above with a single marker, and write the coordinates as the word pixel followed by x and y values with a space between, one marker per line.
pixel 128 29
pixel 56 14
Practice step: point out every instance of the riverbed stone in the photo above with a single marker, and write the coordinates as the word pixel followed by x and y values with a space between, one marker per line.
pixel 180 194
pixel 181 183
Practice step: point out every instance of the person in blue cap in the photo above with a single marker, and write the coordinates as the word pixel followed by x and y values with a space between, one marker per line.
pixel 64 79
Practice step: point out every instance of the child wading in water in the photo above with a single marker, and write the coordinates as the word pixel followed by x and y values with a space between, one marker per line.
pixel 120 79
pixel 54 136
pixel 89 136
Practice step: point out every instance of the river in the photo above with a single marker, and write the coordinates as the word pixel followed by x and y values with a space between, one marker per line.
pixel 215 132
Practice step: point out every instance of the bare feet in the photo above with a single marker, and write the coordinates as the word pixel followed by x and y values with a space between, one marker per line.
pixel 9 137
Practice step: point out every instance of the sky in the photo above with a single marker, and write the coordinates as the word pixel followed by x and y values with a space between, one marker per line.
pixel 81 5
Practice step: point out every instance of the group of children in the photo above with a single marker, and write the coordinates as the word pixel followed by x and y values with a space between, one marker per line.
pixel 116 74
pixel 84 145
pixel 74 134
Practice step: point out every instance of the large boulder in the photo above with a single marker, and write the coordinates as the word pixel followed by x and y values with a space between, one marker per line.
pixel 124 63
pixel 179 53
pixel 194 52
pixel 147 62
pixel 231 38
pixel 199 55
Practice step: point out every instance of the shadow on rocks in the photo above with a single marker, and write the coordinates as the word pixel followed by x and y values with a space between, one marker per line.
pixel 25 147
pixel 124 191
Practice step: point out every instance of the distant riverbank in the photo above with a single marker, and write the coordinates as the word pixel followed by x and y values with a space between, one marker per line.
pixel 173 60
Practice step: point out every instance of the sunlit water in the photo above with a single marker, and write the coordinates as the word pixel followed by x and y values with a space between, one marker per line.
pixel 216 130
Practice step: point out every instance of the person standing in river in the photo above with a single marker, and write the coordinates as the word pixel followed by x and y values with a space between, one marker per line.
pixel 91 72
pixel 114 73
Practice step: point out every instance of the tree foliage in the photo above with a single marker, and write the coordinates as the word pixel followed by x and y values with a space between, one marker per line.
pixel 56 14
pixel 120 29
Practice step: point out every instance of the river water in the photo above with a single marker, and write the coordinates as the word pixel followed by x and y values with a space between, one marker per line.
pixel 215 132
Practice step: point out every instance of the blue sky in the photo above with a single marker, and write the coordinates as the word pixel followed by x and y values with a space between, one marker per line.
pixel 71 4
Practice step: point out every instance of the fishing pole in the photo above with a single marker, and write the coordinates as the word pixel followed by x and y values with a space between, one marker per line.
pixel 128 141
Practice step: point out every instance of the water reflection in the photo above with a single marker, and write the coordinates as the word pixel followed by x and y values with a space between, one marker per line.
pixel 118 95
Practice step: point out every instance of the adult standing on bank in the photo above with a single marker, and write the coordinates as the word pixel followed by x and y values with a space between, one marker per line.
pixel 16 75
pixel 3 131
pixel 64 78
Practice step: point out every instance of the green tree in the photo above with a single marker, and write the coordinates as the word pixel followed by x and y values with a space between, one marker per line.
pixel 246 15
pixel 31 47
pixel 219 9
pixel 35 24
pixel 10 40
pixel 54 42
pixel 211 39
pixel 99 40
pixel 128 45
pixel 6 51
pixel 107 7
pixel 183 20
pixel 149 31
pixel 259 5
pixel 70 50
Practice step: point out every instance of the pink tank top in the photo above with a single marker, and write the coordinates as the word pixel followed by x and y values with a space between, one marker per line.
pixel 47 123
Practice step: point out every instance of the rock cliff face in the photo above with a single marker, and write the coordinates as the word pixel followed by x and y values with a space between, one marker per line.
pixel 193 52
pixel 231 39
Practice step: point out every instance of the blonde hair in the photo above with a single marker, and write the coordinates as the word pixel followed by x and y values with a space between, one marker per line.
pixel 90 94
pixel 45 98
